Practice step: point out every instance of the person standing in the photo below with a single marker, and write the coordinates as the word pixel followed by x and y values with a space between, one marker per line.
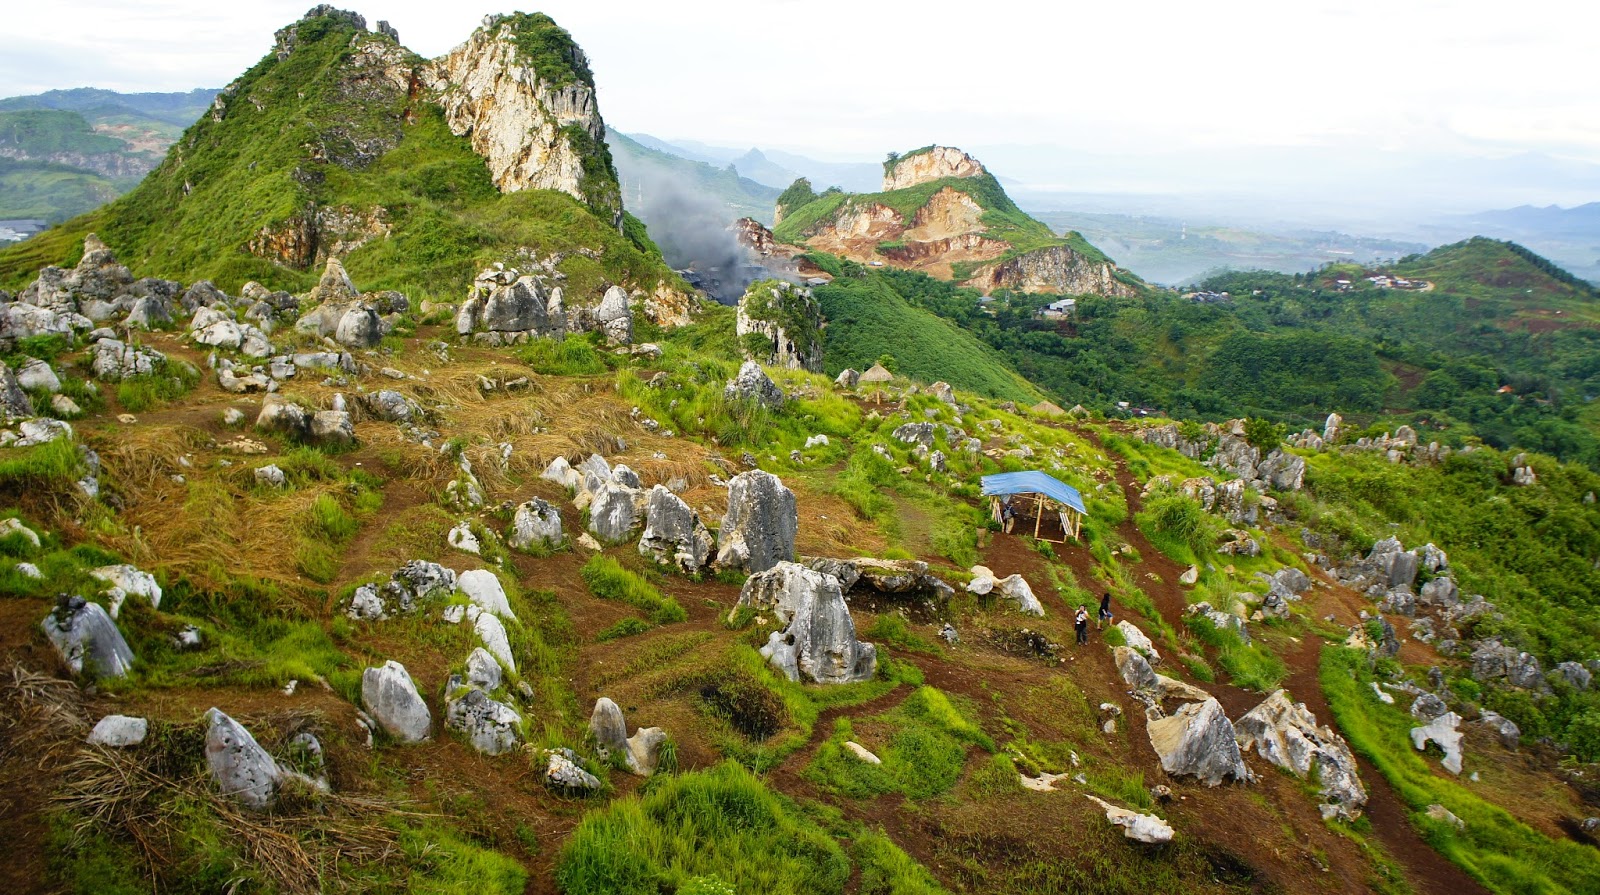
pixel 1105 611
pixel 1080 621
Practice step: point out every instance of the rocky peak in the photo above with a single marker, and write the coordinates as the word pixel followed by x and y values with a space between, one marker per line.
pixel 520 89
pixel 315 22
pixel 933 163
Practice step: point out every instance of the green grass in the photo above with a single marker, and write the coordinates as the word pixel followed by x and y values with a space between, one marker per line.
pixel 1251 666
pixel 628 627
pixel 608 580
pixel 887 870
pixel 925 750
pixel 720 823
pixel 169 381
pixel 1495 848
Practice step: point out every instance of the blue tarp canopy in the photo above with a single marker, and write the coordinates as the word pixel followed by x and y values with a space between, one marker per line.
pixel 1034 482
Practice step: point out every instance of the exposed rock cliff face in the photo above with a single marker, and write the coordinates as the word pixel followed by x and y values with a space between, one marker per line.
pixel 931 164
pixel 533 118
pixel 1052 269
pixel 312 237
pixel 780 325
pixel 967 230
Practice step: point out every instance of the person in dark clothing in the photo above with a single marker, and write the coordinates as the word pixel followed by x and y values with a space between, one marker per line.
pixel 1080 622
pixel 1105 611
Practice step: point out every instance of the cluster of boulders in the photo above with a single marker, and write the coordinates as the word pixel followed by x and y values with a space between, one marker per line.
pixel 640 753
pixel 893 580
pixel 1231 499
pixel 1012 587
pixel 1225 448
pixel 248 773
pixel 508 307
pixel 1198 739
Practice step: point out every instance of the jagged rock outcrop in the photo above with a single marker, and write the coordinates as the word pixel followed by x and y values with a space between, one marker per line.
pixel 1053 269
pixel 885 577
pixel 391 698
pixel 533 119
pixel 785 321
pixel 759 528
pixel 924 166
pixel 340 312
pixel 1287 734
pixel 782 588
pixel 404 593
pixel 491 727
pixel 1198 740
pixel 112 360
pixel 536 523
pixel 673 532
pixel 819 641
pixel 753 384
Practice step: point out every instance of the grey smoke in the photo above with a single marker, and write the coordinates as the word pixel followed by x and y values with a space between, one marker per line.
pixel 692 230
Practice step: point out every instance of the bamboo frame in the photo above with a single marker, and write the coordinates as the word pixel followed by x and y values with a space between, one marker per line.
pixel 1071 519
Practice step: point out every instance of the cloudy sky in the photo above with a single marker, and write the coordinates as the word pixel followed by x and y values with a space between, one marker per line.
pixel 1383 80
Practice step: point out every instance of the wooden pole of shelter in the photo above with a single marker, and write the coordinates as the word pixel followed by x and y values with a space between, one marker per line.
pixel 1038 514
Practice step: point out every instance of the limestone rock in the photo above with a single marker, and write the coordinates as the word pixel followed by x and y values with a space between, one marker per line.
pixel 333 427
pixel 562 473
pixel 614 511
pixel 87 639
pixel 484 589
pixel 1287 734
pixel 533 133
pixel 782 588
pixel 131 582
pixel 1136 639
pixel 787 319
pixel 673 533
pixel 535 523
pixel 1443 731
pixel 391 406
pixel 491 727
pixel 118 731
pixel 242 769
pixel 34 375
pixel 1198 740
pixel 935 163
pixel 493 634
pixel 1146 828
pixel 861 752
pixel 819 641
pixel 562 773
pixel 113 360
pixel 279 414
pixel 1504 728
pixel 1134 668
pixel 1015 589
pixel 759 528
pixel 608 726
pixel 483 670
pixel 391 698
pixel 404 592
pixel 753 384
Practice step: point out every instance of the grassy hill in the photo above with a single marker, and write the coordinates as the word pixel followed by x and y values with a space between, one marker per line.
pixel 869 319
pixel 811 219
pixel 321 128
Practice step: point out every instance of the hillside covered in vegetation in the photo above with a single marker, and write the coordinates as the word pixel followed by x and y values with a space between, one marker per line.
pixel 473 562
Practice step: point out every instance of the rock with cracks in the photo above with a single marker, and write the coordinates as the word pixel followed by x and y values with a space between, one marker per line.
pixel 759 528
pixel 673 532
pixel 820 642
pixel 536 523
pixel 1198 740
pixel 1287 734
